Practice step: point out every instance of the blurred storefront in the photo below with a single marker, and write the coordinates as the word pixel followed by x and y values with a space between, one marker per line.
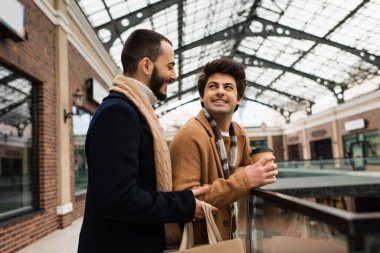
pixel 349 131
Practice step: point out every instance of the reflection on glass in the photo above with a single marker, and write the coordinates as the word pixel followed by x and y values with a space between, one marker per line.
pixel 280 230
pixel 362 149
pixel 80 124
pixel 258 143
pixel 17 144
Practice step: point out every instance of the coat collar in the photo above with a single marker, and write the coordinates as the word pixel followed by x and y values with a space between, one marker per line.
pixel 201 118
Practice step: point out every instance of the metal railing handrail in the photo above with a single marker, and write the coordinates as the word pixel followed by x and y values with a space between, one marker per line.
pixel 350 224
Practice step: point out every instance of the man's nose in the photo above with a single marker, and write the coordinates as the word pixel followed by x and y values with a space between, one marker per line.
pixel 220 90
pixel 173 76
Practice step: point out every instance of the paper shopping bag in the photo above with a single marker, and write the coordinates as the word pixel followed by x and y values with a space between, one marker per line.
pixel 217 245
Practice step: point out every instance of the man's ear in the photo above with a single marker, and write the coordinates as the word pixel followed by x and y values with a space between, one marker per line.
pixel 238 102
pixel 146 66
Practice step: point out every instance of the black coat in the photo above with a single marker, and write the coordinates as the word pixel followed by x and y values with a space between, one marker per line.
pixel 124 212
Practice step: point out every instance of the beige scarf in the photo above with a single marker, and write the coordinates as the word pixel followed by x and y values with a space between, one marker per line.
pixel 130 88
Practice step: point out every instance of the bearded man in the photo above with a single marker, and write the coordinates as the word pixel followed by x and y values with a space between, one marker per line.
pixel 129 193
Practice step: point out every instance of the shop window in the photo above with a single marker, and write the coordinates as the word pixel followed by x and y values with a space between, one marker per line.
pixel 368 142
pixel 80 124
pixel 372 144
pixel 321 149
pixel 362 148
pixel 348 141
pixel 258 143
pixel 295 152
pixel 18 144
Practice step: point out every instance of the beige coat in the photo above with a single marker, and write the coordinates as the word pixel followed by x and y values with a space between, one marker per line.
pixel 195 161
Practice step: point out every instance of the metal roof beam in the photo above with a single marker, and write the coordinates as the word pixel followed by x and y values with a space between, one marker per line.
pixel 10 107
pixel 293 97
pixel 190 73
pixel 180 11
pixel 116 28
pixel 275 29
pixel 182 92
pixel 285 113
pixel 241 30
pixel 259 102
pixel 233 32
pixel 4 81
pixel 9 78
pixel 262 63
pixel 175 107
pixel 338 94
pixel 254 61
pixel 252 13
pixel 194 88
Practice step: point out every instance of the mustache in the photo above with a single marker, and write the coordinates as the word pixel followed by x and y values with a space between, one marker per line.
pixel 170 81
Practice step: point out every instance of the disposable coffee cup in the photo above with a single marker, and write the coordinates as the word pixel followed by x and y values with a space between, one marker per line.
pixel 258 153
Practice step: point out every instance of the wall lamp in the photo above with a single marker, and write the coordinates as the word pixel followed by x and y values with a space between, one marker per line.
pixel 78 102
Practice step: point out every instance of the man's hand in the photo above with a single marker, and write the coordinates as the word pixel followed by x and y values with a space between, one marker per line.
pixel 263 172
pixel 199 214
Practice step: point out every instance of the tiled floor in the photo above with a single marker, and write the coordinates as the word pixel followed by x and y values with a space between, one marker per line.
pixel 61 240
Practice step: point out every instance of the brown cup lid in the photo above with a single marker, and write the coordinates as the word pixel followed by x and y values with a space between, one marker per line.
pixel 255 151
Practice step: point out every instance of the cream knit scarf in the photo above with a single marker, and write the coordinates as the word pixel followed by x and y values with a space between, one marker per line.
pixel 130 88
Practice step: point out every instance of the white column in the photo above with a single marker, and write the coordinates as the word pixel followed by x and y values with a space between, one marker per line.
pixel 64 204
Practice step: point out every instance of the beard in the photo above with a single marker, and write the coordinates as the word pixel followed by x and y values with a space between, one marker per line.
pixel 156 82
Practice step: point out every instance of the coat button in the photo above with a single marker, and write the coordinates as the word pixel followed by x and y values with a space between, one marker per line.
pixel 226 223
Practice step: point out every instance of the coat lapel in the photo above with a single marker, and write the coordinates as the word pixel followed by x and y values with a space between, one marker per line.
pixel 204 122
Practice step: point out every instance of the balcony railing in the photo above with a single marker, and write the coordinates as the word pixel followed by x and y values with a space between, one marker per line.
pixel 273 222
pixel 340 164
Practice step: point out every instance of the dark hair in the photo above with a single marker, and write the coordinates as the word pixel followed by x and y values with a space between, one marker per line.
pixel 226 66
pixel 141 43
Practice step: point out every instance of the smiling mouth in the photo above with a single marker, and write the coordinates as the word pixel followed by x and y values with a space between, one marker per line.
pixel 219 101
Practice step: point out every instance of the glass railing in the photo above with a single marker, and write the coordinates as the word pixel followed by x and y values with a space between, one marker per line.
pixel 343 164
pixel 279 223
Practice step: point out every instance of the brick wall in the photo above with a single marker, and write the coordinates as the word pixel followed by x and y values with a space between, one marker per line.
pixel 79 72
pixel 35 57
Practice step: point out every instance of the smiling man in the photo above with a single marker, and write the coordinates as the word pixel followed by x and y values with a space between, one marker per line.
pixel 211 149
pixel 129 192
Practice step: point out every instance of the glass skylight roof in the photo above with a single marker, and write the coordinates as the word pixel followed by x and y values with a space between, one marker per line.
pixel 296 52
